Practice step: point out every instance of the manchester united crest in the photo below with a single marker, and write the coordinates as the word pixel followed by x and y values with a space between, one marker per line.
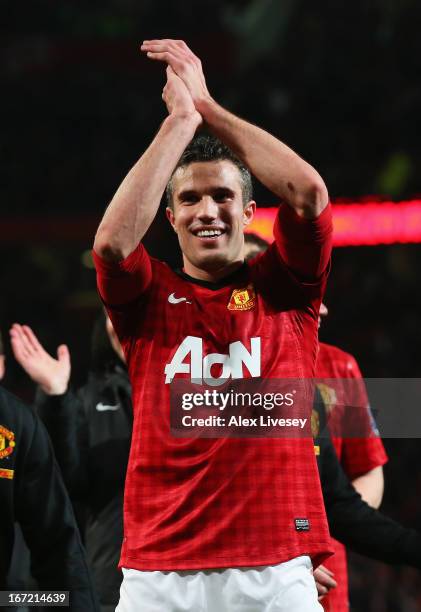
pixel 7 442
pixel 242 299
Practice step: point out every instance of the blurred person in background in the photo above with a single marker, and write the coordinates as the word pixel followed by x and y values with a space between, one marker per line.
pixel 351 520
pixel 90 430
pixel 33 497
pixel 361 458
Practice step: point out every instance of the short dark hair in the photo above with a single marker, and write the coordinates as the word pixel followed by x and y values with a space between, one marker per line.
pixel 207 148
pixel 1 345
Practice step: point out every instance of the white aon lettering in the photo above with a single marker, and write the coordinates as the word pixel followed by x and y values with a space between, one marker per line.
pixel 189 359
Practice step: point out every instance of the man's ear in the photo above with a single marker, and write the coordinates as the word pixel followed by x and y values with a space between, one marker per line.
pixel 170 216
pixel 248 212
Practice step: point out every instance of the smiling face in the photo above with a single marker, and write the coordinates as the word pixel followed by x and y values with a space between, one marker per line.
pixel 209 216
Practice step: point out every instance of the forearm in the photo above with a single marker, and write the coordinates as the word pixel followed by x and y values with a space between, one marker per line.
pixel 369 532
pixel 136 201
pixel 64 418
pixel 273 163
pixel 357 525
pixel 370 486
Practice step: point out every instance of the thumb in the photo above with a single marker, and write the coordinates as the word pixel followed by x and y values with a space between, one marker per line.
pixel 63 354
pixel 170 73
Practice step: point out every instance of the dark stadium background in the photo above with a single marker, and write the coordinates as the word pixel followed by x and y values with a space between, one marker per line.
pixel 337 81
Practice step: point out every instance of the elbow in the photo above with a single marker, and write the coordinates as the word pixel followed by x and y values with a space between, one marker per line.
pixel 107 248
pixel 312 202
pixel 371 486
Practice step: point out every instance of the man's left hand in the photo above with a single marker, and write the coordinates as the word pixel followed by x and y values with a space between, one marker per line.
pixel 184 63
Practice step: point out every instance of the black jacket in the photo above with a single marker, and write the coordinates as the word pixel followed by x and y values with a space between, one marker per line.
pixel 91 432
pixel 32 493
pixel 351 520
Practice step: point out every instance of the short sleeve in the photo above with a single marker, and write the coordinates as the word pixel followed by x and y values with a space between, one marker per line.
pixel 122 286
pixel 293 271
pixel 123 281
pixel 359 455
pixel 304 245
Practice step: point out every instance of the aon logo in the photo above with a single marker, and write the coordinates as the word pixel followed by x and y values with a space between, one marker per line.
pixel 189 359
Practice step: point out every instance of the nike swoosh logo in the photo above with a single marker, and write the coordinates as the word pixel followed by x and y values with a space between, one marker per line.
pixel 174 300
pixel 103 407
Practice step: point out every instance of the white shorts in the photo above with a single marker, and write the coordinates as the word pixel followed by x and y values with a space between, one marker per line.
pixel 287 587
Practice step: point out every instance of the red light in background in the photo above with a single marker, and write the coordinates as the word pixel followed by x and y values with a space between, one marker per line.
pixel 359 224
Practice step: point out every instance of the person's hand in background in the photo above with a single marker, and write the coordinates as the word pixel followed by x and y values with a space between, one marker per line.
pixel 51 374
pixel 324 581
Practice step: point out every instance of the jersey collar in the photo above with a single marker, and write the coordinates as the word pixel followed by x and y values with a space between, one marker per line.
pixel 224 282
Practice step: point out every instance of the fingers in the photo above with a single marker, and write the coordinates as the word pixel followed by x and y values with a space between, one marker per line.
pixel 175 50
pixel 324 570
pixel 170 42
pixel 31 339
pixel 324 577
pixel 18 347
pixel 167 57
pixel 22 343
pixel 321 590
pixel 181 59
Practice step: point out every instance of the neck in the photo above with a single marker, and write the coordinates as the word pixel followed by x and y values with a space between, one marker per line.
pixel 213 275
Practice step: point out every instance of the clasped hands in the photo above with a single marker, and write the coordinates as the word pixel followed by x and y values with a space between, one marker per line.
pixel 185 91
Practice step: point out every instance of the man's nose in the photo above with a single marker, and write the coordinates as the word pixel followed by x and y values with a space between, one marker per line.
pixel 208 209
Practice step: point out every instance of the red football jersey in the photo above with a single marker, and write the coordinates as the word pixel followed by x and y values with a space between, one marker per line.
pixel 210 503
pixel 357 455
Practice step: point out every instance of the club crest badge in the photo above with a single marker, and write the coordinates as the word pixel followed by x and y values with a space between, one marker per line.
pixel 7 442
pixel 242 299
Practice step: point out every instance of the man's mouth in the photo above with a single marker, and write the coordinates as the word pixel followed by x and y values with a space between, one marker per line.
pixel 209 234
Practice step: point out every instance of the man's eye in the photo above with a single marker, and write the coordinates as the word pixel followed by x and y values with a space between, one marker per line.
pixel 221 197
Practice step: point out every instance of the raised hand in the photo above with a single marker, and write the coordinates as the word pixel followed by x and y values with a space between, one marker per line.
pixel 183 62
pixel 177 97
pixel 51 374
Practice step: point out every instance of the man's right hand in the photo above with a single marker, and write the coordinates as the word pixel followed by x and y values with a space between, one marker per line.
pixel 178 98
pixel 51 374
